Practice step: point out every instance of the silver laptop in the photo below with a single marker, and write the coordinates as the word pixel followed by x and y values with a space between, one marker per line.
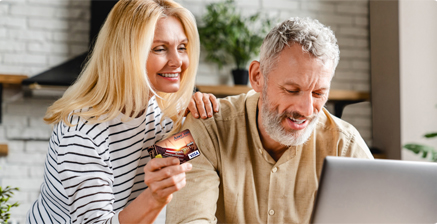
pixel 376 191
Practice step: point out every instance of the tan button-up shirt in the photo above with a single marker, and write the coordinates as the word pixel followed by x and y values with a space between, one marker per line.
pixel 235 180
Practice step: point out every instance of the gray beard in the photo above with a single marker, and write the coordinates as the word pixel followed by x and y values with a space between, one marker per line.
pixel 272 120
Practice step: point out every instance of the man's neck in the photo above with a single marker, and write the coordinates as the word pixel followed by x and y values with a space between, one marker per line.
pixel 274 148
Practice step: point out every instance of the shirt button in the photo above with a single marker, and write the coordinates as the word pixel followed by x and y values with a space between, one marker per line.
pixel 274 169
pixel 271 212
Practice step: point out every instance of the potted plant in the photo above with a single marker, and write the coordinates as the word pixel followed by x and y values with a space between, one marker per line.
pixel 5 195
pixel 424 149
pixel 226 36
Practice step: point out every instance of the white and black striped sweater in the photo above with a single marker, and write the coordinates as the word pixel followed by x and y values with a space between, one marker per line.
pixel 93 171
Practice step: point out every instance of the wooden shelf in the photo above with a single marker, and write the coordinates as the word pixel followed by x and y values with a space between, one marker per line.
pixel 379 156
pixel 12 79
pixel 4 150
pixel 224 90
pixel 9 80
pixel 334 95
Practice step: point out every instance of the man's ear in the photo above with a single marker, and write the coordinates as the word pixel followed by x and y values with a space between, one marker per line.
pixel 256 78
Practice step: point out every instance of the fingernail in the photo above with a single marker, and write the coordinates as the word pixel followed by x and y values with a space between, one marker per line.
pixel 209 115
pixel 189 166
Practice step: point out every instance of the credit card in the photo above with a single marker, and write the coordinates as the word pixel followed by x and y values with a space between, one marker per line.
pixel 180 145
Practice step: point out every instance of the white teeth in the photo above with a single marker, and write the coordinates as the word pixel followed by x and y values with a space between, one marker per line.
pixel 173 75
pixel 298 121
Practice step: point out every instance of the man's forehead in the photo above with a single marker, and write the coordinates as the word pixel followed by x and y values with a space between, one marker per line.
pixel 299 53
pixel 319 85
pixel 301 61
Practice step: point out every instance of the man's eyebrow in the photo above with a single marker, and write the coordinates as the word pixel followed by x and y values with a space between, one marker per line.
pixel 324 89
pixel 291 83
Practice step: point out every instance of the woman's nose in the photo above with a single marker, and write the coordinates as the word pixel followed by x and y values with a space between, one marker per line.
pixel 174 59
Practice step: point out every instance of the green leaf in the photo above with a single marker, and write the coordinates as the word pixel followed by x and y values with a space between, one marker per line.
pixel 431 135
pixel 418 148
pixel 424 154
pixel 413 147
pixel 5 194
pixel 228 37
pixel 434 156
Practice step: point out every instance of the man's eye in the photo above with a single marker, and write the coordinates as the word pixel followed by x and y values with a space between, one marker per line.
pixel 292 91
pixel 318 94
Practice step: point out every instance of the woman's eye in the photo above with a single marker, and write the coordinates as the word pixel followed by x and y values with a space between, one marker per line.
pixel 159 49
pixel 182 48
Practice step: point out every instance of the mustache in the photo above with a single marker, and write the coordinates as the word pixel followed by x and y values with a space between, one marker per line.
pixel 297 115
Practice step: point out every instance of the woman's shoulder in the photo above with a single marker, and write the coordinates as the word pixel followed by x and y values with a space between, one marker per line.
pixel 84 127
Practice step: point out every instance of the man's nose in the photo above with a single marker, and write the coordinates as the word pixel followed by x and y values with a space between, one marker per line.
pixel 305 105
pixel 174 59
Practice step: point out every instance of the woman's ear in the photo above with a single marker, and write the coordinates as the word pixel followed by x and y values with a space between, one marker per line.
pixel 256 78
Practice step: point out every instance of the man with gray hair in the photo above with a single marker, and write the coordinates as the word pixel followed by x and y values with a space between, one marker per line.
pixel 262 154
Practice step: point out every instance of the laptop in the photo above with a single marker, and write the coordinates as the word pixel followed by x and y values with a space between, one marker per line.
pixel 376 191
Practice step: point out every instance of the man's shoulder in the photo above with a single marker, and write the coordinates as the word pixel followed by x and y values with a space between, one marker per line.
pixel 343 135
pixel 235 113
pixel 328 122
pixel 231 108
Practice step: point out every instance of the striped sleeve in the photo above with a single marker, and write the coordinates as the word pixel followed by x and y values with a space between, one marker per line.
pixel 163 128
pixel 87 178
pixel 168 125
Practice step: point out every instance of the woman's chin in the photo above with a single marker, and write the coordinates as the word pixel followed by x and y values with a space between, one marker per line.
pixel 169 89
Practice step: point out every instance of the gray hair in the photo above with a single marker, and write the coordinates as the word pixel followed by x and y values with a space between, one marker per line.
pixel 315 38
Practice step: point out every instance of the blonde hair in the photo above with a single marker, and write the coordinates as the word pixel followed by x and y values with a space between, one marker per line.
pixel 115 77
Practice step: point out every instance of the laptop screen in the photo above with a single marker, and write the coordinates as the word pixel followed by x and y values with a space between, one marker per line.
pixel 376 191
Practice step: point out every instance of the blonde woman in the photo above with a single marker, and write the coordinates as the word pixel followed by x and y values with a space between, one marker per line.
pixel 133 91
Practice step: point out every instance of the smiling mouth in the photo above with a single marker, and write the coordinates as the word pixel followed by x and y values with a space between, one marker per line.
pixel 168 75
pixel 297 121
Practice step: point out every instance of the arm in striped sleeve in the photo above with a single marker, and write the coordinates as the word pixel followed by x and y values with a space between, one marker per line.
pixel 87 177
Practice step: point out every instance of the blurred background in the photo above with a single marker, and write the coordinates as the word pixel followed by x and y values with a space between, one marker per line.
pixel 388 55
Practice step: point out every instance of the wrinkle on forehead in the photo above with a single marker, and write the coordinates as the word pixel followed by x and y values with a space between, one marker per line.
pixel 325 61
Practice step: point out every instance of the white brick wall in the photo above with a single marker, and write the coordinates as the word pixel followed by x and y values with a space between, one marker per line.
pixel 348 19
pixel 27 137
pixel 33 32
pixel 38 34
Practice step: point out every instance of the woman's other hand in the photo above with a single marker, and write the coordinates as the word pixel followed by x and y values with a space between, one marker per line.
pixel 164 176
pixel 203 105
